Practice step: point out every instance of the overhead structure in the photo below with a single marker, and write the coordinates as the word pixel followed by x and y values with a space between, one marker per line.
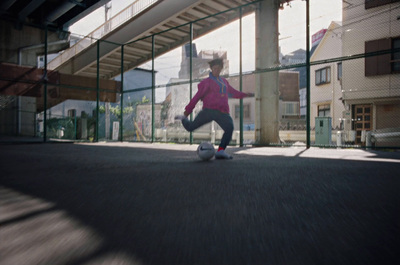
pixel 163 18
pixel 58 14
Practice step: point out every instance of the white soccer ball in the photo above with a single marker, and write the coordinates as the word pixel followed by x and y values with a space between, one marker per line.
pixel 205 151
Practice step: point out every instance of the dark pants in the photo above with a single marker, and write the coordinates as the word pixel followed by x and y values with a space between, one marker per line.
pixel 224 120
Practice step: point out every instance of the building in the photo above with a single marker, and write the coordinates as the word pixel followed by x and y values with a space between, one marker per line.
pixel 325 79
pixel 200 67
pixel 299 57
pixel 371 85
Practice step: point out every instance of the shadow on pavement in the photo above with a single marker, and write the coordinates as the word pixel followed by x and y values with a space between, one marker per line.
pixel 159 204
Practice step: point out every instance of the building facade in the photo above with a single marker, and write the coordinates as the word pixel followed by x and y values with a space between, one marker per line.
pixel 326 78
pixel 371 85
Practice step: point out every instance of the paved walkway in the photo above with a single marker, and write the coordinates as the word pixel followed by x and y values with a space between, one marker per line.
pixel 127 203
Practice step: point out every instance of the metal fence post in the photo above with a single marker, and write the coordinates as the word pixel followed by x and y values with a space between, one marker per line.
pixel 308 72
pixel 153 84
pixel 190 75
pixel 96 138
pixel 240 76
pixel 122 95
pixel 45 88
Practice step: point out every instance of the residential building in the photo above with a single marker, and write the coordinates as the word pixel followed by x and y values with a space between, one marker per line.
pixel 371 85
pixel 325 79
pixel 299 57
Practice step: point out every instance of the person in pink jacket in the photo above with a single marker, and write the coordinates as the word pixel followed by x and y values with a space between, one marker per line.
pixel 214 92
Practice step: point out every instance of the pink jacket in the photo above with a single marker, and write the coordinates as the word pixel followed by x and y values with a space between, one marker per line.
pixel 212 96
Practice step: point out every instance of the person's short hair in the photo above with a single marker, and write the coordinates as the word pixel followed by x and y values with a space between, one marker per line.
pixel 217 61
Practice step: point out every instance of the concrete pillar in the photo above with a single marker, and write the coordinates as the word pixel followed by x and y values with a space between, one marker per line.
pixel 267 89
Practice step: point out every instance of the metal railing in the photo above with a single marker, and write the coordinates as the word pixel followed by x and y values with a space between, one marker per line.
pixel 129 12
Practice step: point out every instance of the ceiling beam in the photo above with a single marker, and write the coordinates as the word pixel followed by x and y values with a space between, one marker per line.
pixel 29 8
pixel 7 4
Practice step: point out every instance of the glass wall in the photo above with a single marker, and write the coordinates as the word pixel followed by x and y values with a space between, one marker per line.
pixel 344 94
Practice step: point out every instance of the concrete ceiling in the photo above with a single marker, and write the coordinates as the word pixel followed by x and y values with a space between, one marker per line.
pixel 58 14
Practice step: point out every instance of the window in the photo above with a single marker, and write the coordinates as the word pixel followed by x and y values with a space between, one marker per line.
pixel 246 111
pixel 72 113
pixel 377 64
pixel 324 110
pixel 376 3
pixel 339 71
pixel 290 108
pixel 323 76
pixel 395 63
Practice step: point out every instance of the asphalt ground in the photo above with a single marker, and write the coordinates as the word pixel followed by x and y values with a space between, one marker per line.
pixel 136 203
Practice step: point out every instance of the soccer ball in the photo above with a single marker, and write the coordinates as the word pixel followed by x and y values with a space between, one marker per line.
pixel 205 151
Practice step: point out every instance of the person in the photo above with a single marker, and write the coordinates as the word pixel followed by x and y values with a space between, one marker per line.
pixel 214 92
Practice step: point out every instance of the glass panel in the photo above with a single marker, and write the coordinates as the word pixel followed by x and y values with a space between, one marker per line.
pixel 318 77
pixel 137 115
pixel 18 114
pixel 292 32
pixel 292 44
pixel 323 76
pixel 248 43
pixel 173 65
pixel 339 69
pixel 72 112
pixel 222 43
pixel 177 97
pixel 109 91
pixel 173 68
pixel 248 84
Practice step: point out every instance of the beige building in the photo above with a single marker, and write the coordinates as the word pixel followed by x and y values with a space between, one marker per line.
pixel 326 89
pixel 371 85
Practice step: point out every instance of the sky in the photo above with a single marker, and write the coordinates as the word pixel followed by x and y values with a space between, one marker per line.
pixel 293 19
pixel 292 31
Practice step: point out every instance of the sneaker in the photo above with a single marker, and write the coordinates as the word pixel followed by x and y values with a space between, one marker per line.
pixel 222 155
pixel 180 117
